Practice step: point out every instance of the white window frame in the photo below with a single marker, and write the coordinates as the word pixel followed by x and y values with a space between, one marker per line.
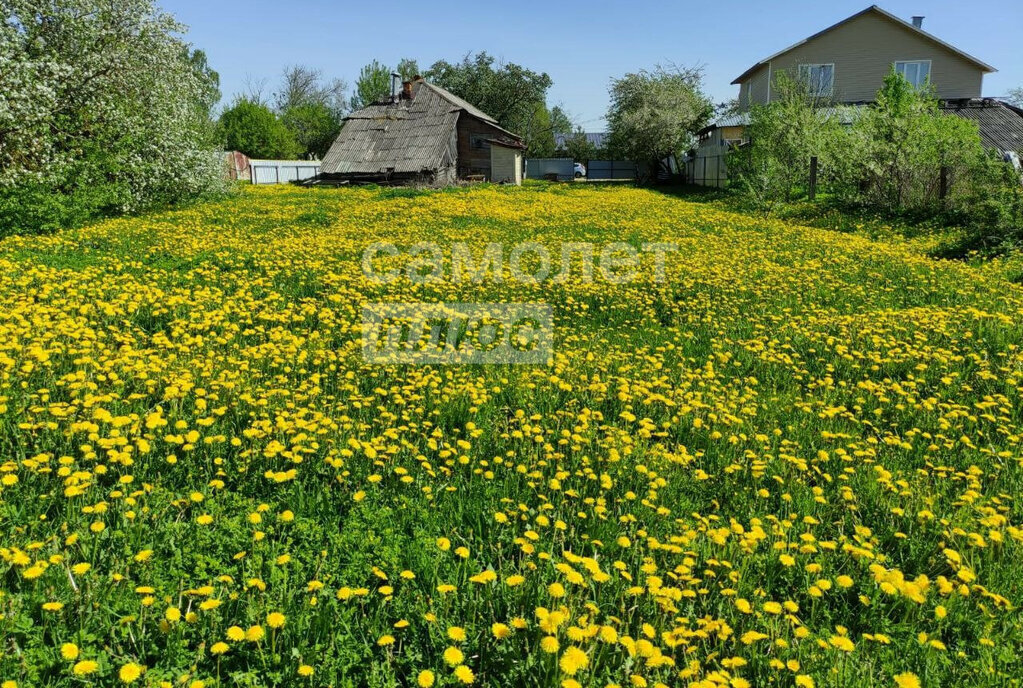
pixel 895 66
pixel 807 80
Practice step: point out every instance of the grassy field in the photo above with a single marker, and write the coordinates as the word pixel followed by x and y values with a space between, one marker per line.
pixel 795 463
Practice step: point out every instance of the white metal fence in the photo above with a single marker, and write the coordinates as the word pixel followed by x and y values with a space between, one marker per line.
pixel 283 171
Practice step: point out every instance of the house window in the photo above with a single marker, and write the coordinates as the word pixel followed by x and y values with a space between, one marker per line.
pixel 819 78
pixel 917 72
pixel 479 141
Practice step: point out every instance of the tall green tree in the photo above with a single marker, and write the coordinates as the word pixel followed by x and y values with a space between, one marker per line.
pixel 254 129
pixel 654 114
pixel 103 109
pixel 561 123
pixel 508 92
pixel 373 84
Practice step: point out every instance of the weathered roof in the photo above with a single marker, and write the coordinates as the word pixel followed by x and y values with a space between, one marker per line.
pixel 887 15
pixel 408 137
pixel 844 113
pixel 1001 125
pixel 595 138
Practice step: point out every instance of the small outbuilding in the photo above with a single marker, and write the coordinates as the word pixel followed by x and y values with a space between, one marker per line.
pixel 422 134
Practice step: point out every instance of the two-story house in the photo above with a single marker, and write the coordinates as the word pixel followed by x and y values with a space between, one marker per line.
pixel 847 62
pixel 845 65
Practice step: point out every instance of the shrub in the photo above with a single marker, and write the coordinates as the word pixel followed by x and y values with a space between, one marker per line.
pixel 783 136
pixel 892 155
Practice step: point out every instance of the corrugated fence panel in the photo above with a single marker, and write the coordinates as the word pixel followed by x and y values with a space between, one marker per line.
pixel 282 171
pixel 538 168
pixel 610 169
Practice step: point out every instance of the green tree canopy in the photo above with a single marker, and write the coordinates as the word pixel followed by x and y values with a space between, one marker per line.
pixel 254 129
pixel 510 93
pixel 103 109
pixel 313 125
pixel 654 114
pixel 373 84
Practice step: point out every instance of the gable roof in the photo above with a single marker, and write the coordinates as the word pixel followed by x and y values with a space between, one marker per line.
pixel 882 13
pixel 411 136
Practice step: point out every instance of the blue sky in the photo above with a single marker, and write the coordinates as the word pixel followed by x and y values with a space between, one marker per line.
pixel 580 44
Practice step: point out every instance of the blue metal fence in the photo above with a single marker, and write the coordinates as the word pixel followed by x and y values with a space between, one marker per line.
pixel 610 169
pixel 538 168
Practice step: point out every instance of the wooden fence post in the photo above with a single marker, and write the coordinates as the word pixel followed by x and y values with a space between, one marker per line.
pixel 943 183
pixel 813 178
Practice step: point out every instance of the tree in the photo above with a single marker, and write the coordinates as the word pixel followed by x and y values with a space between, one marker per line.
pixel 313 125
pixel 579 148
pixel 655 114
pixel 408 69
pixel 507 92
pixel 103 109
pixel 301 85
pixel 561 123
pixel 373 84
pixel 256 131
pixel 1016 96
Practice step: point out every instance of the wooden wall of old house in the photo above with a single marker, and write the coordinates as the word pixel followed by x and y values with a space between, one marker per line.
pixel 474 159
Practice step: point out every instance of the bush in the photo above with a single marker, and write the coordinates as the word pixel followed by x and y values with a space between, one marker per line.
pixel 783 136
pixel 892 156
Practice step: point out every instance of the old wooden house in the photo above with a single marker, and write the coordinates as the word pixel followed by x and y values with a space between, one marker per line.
pixel 422 134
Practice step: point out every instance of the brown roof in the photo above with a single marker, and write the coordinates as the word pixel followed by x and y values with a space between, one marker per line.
pixel 883 13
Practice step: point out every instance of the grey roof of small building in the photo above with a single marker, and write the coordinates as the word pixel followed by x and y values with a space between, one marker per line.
pixel 1000 124
pixel 594 138
pixel 408 137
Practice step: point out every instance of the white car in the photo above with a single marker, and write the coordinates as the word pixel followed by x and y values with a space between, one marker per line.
pixel 580 170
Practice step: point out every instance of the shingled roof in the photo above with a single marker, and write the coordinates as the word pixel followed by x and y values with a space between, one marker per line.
pixel 1000 124
pixel 412 136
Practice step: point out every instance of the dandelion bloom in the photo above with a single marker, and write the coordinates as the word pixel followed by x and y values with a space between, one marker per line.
pixel 69 651
pixel 130 672
pixel 85 667
pixel 550 644
pixel 464 674
pixel 235 633
pixel 453 656
pixel 500 630
pixel 275 619
pixel 385 640
pixel 907 680
pixel 572 660
pixel 457 633
pixel 425 679
pixel 254 634
pixel 220 648
pixel 305 670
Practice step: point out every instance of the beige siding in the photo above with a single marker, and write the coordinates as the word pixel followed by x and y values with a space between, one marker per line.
pixel 863 51
pixel 758 88
pixel 505 165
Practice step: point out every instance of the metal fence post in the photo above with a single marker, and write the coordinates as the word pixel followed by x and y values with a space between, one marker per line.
pixel 813 178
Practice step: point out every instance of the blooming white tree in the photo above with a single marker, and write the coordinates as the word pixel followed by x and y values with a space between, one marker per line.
pixel 102 102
